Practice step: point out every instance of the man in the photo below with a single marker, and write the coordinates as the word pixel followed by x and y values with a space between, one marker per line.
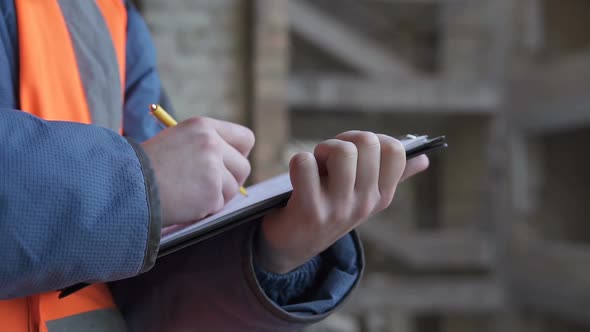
pixel 79 202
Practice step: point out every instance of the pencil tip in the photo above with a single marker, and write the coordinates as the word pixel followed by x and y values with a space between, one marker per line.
pixel 243 191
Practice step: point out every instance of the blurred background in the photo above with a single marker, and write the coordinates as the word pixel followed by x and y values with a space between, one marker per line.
pixel 495 236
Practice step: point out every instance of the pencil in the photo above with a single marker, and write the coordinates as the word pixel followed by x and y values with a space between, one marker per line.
pixel 169 121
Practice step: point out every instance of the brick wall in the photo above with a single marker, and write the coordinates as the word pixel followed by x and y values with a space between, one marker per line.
pixel 200 48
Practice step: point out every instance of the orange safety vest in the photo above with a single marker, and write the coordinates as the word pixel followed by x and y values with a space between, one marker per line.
pixel 53 87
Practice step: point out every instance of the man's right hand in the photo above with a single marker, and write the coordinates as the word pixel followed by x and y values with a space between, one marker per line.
pixel 199 165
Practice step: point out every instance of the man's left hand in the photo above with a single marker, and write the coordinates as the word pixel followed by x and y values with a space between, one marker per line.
pixel 344 182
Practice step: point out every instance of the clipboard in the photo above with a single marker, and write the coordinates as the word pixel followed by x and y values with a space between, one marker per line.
pixel 263 198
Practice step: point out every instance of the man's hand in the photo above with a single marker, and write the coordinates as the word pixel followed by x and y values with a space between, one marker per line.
pixel 345 181
pixel 200 165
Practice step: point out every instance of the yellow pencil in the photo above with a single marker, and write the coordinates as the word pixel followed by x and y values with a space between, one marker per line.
pixel 162 115
pixel 169 121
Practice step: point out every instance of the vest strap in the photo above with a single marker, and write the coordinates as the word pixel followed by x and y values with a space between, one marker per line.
pixel 50 85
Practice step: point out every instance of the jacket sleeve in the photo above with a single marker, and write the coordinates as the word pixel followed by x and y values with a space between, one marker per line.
pixel 320 285
pixel 75 205
pixel 212 286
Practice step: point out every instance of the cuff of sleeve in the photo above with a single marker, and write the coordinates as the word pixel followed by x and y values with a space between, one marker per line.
pixel 335 279
pixel 283 288
pixel 153 202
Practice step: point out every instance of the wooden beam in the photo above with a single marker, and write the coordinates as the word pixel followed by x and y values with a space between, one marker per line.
pixel 433 250
pixel 533 25
pixel 265 83
pixel 467 44
pixel 552 277
pixel 426 295
pixel 344 42
pixel 416 95
pixel 501 18
pixel 393 2
pixel 552 97
pixel 337 322
pixel 575 115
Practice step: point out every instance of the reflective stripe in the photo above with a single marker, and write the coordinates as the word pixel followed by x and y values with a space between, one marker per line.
pixel 104 320
pixel 97 61
pixel 90 299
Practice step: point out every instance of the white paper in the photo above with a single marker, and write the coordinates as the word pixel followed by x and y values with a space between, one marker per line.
pixel 257 193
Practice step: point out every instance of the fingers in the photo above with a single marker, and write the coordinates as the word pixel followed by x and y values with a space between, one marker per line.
pixel 207 137
pixel 415 166
pixel 236 163
pixel 369 155
pixel 365 166
pixel 305 178
pixel 393 163
pixel 240 137
pixel 339 159
pixel 230 186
